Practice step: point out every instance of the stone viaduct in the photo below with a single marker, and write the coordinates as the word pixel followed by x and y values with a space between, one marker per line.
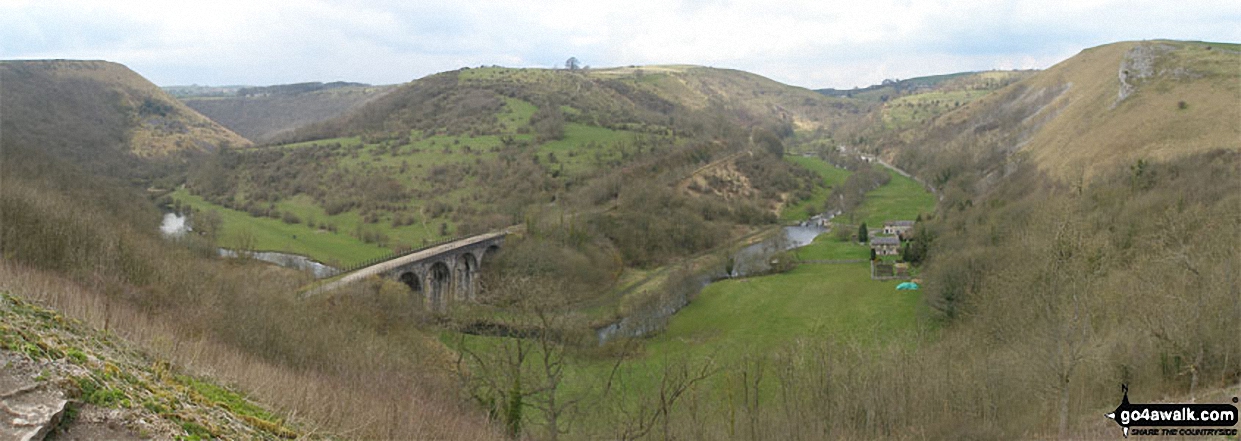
pixel 442 274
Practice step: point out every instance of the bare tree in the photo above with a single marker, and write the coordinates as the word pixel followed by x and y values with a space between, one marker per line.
pixel 1063 289
pixel 526 366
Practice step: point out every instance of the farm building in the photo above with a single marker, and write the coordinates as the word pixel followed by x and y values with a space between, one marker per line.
pixel 899 228
pixel 886 245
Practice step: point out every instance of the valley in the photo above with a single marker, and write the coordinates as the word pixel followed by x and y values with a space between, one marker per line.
pixel 1054 233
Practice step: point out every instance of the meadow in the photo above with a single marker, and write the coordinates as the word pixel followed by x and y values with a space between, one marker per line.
pixel 912 110
pixel 828 247
pixel 239 230
pixel 734 327
pixel 901 198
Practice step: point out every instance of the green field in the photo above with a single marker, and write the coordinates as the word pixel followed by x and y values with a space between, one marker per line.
pixel 912 110
pixel 761 314
pixel 832 176
pixel 584 148
pixel 826 247
pixel 736 321
pixel 275 235
pixel 900 199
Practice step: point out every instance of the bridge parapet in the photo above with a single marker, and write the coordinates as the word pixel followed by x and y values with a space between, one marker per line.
pixel 442 274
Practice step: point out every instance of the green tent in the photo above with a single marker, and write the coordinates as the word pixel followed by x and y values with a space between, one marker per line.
pixel 908 286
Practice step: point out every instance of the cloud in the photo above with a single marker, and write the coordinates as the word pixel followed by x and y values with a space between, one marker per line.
pixel 803 42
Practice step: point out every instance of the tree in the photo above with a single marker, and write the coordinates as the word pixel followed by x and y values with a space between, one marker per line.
pixel 208 224
pixel 527 370
pixel 769 142
pixel 863 234
pixel 571 63
pixel 245 241
pixel 548 122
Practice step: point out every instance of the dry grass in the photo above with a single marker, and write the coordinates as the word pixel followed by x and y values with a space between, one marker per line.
pixel 1085 129
pixel 150 135
pixel 382 403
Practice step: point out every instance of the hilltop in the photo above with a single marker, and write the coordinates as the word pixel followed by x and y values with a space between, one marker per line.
pixel 961 81
pixel 262 114
pixel 635 98
pixel 472 150
pixel 1107 106
pixel 96 110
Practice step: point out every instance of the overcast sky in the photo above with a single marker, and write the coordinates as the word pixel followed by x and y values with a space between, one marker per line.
pixel 813 43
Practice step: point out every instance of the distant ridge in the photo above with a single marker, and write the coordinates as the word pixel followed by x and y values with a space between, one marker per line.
pixel 263 113
pixel 894 88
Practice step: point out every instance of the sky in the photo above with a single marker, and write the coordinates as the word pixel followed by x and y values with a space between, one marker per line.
pixel 808 43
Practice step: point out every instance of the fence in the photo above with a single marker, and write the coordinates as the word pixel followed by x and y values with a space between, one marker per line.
pixel 887 271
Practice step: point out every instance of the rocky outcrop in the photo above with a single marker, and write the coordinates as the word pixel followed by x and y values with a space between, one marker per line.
pixel 29 409
pixel 1138 64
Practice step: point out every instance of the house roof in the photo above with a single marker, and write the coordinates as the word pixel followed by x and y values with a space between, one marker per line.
pixel 885 240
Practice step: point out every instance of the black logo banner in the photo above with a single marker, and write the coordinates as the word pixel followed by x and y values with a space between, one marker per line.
pixel 1173 415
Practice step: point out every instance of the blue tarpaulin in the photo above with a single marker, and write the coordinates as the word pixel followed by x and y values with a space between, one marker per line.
pixel 907 286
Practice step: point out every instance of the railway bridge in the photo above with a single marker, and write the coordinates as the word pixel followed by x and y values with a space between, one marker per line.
pixel 442 274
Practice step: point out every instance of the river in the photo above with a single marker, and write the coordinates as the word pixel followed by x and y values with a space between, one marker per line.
pixel 753 259
pixel 175 226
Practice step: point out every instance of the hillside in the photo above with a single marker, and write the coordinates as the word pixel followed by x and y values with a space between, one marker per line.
pixel 97 111
pixel 102 387
pixel 1109 105
pixel 1078 234
pixel 962 81
pixel 637 98
pixel 750 96
pixel 472 150
pixel 262 114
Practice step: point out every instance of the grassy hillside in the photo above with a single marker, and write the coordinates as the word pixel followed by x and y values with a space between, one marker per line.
pixel 955 82
pixel 119 391
pixel 748 96
pixel 263 114
pixel 1177 98
pixel 477 149
pixel 95 110
pixel 87 246
pixel 1107 106
pixel 812 205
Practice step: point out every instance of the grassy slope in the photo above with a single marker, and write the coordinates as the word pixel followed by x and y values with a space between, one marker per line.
pixel 689 86
pixel 275 235
pixel 110 373
pixel 908 111
pixel 259 118
pixel 84 100
pixel 826 247
pixel 421 156
pixel 900 199
pixel 831 175
pixel 571 151
pixel 1082 131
